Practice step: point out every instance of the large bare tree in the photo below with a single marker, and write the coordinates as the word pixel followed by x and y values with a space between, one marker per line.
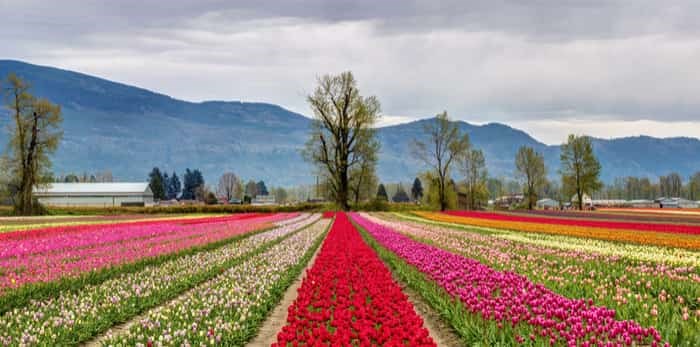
pixel 473 166
pixel 529 165
pixel 580 169
pixel 35 135
pixel 343 124
pixel 444 145
pixel 229 186
pixel 363 178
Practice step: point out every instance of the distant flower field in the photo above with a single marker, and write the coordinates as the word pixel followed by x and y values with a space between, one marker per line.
pixel 667 235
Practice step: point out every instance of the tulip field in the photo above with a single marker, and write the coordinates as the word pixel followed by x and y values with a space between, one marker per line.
pixel 609 289
pixel 348 298
pixel 8 224
pixel 546 278
pixel 97 276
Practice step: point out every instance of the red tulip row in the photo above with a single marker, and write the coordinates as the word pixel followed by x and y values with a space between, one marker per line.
pixel 622 215
pixel 655 227
pixel 348 298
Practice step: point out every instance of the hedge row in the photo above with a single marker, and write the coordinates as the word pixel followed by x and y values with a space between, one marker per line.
pixel 304 207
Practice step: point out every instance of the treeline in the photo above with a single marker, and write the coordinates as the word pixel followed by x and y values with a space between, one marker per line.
pixel 643 188
pixel 343 148
pixel 229 189
pixel 98 177
pixel 169 187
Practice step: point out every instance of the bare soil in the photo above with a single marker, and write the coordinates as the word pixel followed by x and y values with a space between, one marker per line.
pixel 277 318
pixel 441 332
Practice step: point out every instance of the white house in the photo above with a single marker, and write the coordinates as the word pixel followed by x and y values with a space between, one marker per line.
pixel 95 194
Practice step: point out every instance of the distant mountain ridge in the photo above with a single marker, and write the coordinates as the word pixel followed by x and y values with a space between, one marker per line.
pixel 128 130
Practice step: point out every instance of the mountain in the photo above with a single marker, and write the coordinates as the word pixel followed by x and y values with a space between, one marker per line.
pixel 128 130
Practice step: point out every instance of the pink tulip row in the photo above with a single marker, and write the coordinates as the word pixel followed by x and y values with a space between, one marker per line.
pixel 511 299
pixel 41 260
pixel 84 236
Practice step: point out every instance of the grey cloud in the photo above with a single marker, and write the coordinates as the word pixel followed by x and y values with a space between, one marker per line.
pixel 510 61
pixel 550 19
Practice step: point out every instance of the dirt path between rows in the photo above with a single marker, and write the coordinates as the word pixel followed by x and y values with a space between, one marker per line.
pixel 441 332
pixel 277 318
pixel 118 329
pixel 267 334
pixel 282 307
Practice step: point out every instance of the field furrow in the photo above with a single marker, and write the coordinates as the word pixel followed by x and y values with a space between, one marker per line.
pixel 228 309
pixel 508 305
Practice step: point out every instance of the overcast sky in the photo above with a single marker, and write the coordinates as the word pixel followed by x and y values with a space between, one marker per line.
pixel 604 68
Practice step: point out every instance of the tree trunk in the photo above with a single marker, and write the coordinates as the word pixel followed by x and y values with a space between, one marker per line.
pixel 29 170
pixel 342 195
pixel 442 195
pixel 357 190
pixel 580 200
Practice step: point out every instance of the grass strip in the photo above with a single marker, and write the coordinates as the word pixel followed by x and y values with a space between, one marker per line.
pixel 276 294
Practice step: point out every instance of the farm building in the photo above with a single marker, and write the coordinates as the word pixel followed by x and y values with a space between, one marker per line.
pixel 547 204
pixel 609 202
pixel 587 201
pixel 676 203
pixel 264 200
pixel 642 203
pixel 505 201
pixel 95 194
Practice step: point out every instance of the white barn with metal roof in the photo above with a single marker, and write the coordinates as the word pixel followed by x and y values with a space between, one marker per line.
pixel 95 194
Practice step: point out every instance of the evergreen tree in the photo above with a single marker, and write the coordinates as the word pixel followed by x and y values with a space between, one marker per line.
pixel 198 178
pixel 166 183
pixel 156 184
pixel 193 182
pixel 71 178
pixel 188 185
pixel 174 187
pixel 381 193
pixel 401 195
pixel 261 188
pixel 251 189
pixel 417 190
